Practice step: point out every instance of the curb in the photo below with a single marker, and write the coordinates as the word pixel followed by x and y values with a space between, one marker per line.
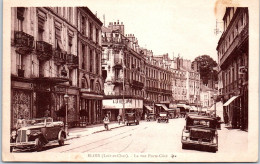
pixel 99 131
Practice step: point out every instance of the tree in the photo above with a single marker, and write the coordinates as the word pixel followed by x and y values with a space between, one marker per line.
pixel 205 66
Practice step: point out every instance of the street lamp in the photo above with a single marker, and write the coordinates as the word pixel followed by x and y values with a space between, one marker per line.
pixel 66 98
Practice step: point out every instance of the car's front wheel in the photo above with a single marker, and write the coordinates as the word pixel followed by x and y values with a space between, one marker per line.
pixel 39 144
pixel 62 139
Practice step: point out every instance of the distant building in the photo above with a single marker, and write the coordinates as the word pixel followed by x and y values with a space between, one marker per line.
pixel 206 96
pixel 123 70
pixel 185 83
pixel 233 64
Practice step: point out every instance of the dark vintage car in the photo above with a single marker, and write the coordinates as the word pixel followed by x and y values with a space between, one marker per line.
pixel 200 132
pixel 132 118
pixel 163 117
pixel 36 133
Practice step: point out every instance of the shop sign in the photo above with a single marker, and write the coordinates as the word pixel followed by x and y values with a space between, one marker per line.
pixel 117 103
pixel 43 87
pixel 60 89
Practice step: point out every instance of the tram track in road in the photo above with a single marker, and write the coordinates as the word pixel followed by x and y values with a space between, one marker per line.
pixel 102 140
pixel 131 142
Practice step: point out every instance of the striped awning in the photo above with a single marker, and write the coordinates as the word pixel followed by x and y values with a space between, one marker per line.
pixel 149 108
pixel 230 100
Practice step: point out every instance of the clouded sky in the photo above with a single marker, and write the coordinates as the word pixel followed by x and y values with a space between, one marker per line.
pixel 184 27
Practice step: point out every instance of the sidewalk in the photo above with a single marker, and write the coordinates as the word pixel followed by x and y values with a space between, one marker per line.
pixel 91 129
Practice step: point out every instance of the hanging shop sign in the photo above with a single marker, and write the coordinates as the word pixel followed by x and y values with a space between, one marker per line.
pixel 120 104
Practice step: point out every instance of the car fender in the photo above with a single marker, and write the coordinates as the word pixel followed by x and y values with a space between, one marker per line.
pixel 62 132
pixel 42 137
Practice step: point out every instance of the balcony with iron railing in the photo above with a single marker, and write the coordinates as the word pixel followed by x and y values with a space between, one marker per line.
pixel 137 84
pixel 72 61
pixel 44 50
pixel 118 63
pixel 60 57
pixel 24 42
pixel 117 80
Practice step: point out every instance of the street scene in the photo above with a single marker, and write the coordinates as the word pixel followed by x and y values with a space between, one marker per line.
pixel 140 139
pixel 83 80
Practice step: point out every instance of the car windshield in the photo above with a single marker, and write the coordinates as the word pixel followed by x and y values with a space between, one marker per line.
pixel 40 121
pixel 201 122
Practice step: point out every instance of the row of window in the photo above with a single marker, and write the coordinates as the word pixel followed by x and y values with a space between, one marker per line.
pixel 232 33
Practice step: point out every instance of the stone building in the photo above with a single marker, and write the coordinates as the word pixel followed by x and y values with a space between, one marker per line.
pixel 158 91
pixel 123 72
pixel 185 83
pixel 90 73
pixel 56 51
pixel 44 62
pixel 233 63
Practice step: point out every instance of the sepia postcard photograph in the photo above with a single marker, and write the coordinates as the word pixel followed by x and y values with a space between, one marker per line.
pixel 130 81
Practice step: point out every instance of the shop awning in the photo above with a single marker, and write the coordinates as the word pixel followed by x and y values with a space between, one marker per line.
pixel 164 107
pixel 149 108
pixel 158 104
pixel 53 80
pixel 230 100
pixel 182 105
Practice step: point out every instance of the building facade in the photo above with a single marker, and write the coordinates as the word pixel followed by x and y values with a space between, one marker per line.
pixel 123 72
pixel 46 44
pixel 90 73
pixel 185 82
pixel 158 89
pixel 233 63
pixel 44 62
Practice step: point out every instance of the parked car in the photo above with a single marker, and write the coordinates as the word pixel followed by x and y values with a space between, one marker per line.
pixel 163 117
pixel 132 118
pixel 151 117
pixel 200 132
pixel 37 133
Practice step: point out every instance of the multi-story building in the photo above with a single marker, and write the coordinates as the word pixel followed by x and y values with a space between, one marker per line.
pixel 90 73
pixel 123 72
pixel 158 90
pixel 44 62
pixel 55 51
pixel 233 63
pixel 206 96
pixel 185 82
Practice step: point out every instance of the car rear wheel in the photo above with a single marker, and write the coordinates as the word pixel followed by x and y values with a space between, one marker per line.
pixel 61 141
pixel 39 144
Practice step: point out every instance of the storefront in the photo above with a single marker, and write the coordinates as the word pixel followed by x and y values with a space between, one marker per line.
pixel 90 108
pixel 232 111
pixel 115 107
pixel 21 101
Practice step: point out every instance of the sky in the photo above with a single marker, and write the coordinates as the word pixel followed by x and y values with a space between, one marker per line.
pixel 176 27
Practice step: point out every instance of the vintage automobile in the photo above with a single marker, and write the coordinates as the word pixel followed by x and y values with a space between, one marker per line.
pixel 132 118
pixel 151 117
pixel 200 132
pixel 36 133
pixel 163 117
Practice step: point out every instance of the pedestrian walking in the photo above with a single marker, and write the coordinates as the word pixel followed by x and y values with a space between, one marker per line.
pixel 118 119
pixel 106 122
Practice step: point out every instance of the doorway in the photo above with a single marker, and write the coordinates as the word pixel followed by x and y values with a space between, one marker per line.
pixel 43 103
